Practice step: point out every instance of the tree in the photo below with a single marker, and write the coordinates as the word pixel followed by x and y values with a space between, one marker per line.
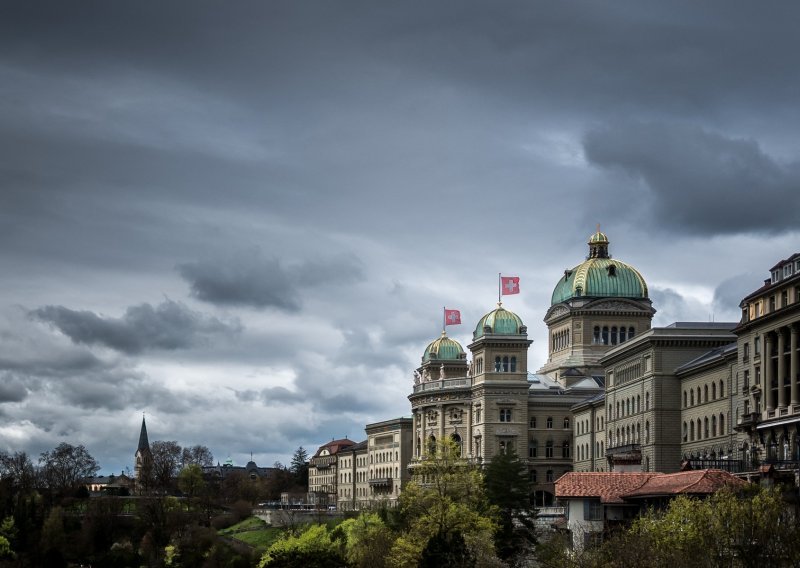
pixel 66 466
pixel 508 488
pixel 445 503
pixel 18 468
pixel 313 548
pixel 166 461
pixel 752 529
pixel 367 541
pixel 190 480
pixel 299 467
pixel 198 455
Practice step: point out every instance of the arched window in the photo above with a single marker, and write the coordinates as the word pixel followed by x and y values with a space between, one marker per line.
pixel 549 422
pixel 605 335
pixel 638 434
pixel 721 424
pixel 566 422
pixel 647 432
pixel 714 426
pixel 691 430
pixel 457 441
pixel 713 391
pixel 596 336
pixel 685 432
pixel 647 401
pixel 549 476
pixel 565 449
pixel 684 399
pixel 533 449
pixel 617 410
pixel 691 396
pixel 721 388
pixel 638 403
pixel 548 449
pixel 513 364
pixel 505 364
pixel 705 393
pixel 533 422
pixel 628 402
pixel 533 476
pixel 630 333
pixel 614 335
pixel 622 335
pixel 705 427
pixel 699 399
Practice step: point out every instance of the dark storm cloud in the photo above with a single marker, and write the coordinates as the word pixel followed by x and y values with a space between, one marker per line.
pixel 700 181
pixel 729 293
pixel 12 389
pixel 250 279
pixel 168 326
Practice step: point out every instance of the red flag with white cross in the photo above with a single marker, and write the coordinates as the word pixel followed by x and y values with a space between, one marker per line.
pixel 452 317
pixel 509 285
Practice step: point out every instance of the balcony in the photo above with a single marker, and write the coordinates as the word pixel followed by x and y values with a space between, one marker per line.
pixel 380 482
pixel 747 421
pixel 444 384
pixel 626 449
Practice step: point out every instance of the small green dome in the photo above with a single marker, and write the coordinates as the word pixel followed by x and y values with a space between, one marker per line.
pixel 443 349
pixel 600 276
pixel 500 321
pixel 598 238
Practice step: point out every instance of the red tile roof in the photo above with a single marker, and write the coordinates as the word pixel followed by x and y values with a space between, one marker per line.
pixel 334 446
pixel 699 482
pixel 616 487
pixel 609 487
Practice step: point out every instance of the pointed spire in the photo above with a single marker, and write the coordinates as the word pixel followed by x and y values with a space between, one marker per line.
pixel 144 444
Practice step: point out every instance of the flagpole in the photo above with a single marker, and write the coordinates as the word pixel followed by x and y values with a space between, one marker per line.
pixel 499 289
pixel 444 319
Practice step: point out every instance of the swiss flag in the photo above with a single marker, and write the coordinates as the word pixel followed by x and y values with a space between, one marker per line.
pixel 509 285
pixel 452 317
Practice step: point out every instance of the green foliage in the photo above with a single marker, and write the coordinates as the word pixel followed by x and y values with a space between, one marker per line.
pixel 190 480
pixel 751 529
pixel 367 540
pixel 313 548
pixel 508 488
pixel 446 502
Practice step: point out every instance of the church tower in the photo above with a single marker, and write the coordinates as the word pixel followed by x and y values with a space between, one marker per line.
pixel 143 457
pixel 597 305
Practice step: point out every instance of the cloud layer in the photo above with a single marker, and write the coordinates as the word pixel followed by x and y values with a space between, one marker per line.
pixel 310 184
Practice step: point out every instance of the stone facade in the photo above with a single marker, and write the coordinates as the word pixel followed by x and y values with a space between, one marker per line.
pixel 767 398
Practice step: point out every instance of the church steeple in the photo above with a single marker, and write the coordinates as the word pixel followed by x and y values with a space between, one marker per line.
pixel 144 444
pixel 143 458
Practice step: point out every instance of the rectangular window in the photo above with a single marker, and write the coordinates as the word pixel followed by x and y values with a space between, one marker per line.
pixel 757 345
pixel 505 415
pixel 592 510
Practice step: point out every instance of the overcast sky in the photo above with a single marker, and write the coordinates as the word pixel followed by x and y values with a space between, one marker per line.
pixel 244 218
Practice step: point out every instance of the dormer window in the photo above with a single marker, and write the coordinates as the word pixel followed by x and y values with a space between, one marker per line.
pixel 776 275
pixel 612 270
pixel 787 270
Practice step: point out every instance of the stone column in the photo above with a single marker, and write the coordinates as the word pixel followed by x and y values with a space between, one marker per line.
pixel 441 424
pixel 423 438
pixel 414 430
pixel 781 370
pixel 469 441
pixel 793 379
pixel 769 397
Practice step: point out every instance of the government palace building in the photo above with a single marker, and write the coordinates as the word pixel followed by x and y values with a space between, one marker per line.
pixel 615 393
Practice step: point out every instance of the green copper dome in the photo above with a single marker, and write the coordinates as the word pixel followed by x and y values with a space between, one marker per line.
pixel 600 276
pixel 501 322
pixel 445 349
